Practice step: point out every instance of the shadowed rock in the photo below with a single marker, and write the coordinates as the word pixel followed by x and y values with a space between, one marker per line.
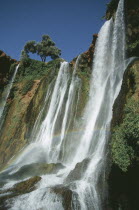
pixel 34 169
pixel 69 198
pixel 18 189
pixel 78 171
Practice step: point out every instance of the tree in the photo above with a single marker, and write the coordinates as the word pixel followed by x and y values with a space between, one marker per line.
pixel 30 47
pixel 44 48
pixel 25 59
pixel 24 55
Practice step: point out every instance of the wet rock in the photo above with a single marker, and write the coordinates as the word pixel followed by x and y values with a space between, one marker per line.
pixel 124 186
pixel 89 54
pixel 18 189
pixel 132 19
pixel 26 186
pixel 5 64
pixel 34 169
pixel 78 171
pixel 68 197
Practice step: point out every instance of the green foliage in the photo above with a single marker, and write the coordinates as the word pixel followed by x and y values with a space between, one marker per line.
pixel 30 47
pixel 132 4
pixel 134 45
pixel 24 55
pixel 132 106
pixel 131 124
pixel 25 58
pixel 36 69
pixel 133 49
pixel 27 87
pixel 122 154
pixel 112 5
pixel 12 92
pixel 125 137
pixel 44 48
pixel 12 69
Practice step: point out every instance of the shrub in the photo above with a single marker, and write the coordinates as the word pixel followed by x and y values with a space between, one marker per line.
pixel 125 137
pixel 37 69
pixel 133 49
pixel 25 58
pixel 112 5
pixel 122 154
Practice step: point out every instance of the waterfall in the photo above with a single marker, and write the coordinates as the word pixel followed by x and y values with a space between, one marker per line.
pixel 6 92
pixel 82 156
pixel 59 108
pixel 108 69
pixel 51 134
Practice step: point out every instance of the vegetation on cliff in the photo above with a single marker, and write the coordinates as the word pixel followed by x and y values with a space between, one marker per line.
pixel 125 138
pixel 24 104
pixel 5 73
pixel 132 26
pixel 125 130
pixel 27 96
pixel 124 144
pixel 31 84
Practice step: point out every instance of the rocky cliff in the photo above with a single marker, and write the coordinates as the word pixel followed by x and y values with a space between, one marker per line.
pixel 124 147
pixel 27 96
pixel 23 106
pixel 132 23
pixel 5 64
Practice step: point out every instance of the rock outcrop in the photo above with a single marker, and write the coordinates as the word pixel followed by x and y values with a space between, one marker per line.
pixel 5 64
pixel 23 106
pixel 123 179
pixel 26 99
pixel 132 26
pixel 27 96
pixel 18 189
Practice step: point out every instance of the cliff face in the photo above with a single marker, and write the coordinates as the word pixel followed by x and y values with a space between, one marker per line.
pixel 124 147
pixel 27 96
pixel 23 105
pixel 5 64
pixel 132 26
pixel 123 179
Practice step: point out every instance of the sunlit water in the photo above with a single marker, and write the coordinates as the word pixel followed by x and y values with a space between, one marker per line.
pixel 79 145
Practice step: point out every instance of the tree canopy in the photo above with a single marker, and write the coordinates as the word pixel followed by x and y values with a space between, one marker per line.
pixel 44 48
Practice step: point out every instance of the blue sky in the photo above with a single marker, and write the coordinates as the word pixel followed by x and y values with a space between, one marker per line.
pixel 70 24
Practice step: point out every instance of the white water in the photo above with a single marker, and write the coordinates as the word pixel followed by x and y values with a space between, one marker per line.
pixel 6 92
pixel 109 66
pixel 49 140
pixel 87 180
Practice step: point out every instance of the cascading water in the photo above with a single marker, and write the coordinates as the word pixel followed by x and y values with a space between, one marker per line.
pixel 56 110
pixel 51 133
pixel 6 92
pixel 109 66
pixel 88 149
